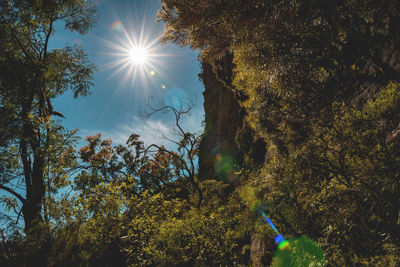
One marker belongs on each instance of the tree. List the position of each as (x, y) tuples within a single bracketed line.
[(31, 76), (144, 205), (127, 192), (154, 168)]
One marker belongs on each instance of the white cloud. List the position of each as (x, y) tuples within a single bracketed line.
[(151, 131)]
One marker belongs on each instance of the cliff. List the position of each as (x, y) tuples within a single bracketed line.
[(228, 142), (218, 150)]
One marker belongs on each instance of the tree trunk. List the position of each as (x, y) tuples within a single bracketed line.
[(32, 215), (33, 173), (260, 250), (36, 232)]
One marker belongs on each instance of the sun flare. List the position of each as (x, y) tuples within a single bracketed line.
[(138, 55), (135, 55)]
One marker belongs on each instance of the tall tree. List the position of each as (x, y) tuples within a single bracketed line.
[(31, 76)]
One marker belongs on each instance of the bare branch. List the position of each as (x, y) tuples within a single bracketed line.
[(186, 145)]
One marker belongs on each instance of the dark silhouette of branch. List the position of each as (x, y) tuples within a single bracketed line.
[(9, 190), (186, 146)]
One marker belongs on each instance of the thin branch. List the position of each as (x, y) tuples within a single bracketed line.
[(3, 237), (19, 215)]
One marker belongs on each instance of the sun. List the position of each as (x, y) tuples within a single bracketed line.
[(138, 55), (135, 55)]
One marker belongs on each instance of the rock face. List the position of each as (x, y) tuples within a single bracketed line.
[(260, 251), (227, 138), (219, 155)]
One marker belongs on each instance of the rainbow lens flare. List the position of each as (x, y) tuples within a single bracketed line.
[(301, 251), (279, 239), (282, 242), (272, 225), (117, 26), (283, 245)]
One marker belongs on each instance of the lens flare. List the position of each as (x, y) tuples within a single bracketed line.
[(301, 251), (116, 26), (226, 167), (175, 97), (283, 245), (279, 238)]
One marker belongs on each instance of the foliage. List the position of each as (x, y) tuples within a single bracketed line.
[(186, 235), (112, 218), (319, 84), (152, 207)]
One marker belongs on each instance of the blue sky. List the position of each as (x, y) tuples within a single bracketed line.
[(118, 100)]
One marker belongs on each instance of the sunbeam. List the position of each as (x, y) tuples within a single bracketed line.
[(135, 55)]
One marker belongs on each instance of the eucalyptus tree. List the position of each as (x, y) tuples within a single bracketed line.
[(32, 75)]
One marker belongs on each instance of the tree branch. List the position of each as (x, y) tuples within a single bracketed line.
[(9, 190)]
